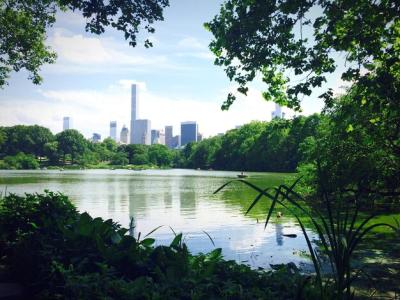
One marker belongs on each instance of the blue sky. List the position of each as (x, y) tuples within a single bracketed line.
[(177, 78)]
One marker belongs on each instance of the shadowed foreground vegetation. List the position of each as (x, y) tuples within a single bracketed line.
[(55, 252)]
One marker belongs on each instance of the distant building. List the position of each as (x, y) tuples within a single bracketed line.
[(157, 137), (169, 136), (199, 137), (113, 130), (176, 142), (67, 123), (142, 132), (134, 112), (96, 138), (277, 113), (189, 131), (124, 136)]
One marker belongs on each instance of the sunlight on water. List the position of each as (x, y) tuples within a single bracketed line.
[(179, 199)]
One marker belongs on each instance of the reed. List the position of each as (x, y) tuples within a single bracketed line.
[(339, 227)]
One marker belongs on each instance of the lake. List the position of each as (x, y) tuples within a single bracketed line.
[(181, 200)]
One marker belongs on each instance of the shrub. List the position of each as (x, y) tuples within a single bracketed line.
[(21, 161)]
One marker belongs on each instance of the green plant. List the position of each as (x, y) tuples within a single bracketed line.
[(339, 228)]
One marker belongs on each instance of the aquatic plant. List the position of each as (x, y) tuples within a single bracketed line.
[(339, 227)]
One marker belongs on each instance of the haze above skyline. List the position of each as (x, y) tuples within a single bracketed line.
[(91, 79)]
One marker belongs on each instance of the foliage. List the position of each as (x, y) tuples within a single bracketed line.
[(120, 158), (160, 155), (23, 26), (257, 146), (356, 148), (21, 161), (71, 142), (56, 252), (69, 147), (27, 139), (339, 228), (278, 38)]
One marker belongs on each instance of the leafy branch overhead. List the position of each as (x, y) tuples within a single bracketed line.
[(293, 45), (23, 26)]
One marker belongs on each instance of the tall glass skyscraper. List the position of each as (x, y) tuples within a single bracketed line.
[(142, 132), (169, 136), (67, 123), (113, 130), (189, 132)]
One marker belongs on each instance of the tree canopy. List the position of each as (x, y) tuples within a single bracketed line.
[(23, 26), (303, 38)]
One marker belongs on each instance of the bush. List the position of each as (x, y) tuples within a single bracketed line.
[(21, 161)]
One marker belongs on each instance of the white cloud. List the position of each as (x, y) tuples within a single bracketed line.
[(193, 47), (191, 43), (81, 50)]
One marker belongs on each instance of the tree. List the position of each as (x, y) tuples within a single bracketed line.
[(3, 140), (353, 151), (160, 155), (27, 139), (137, 154), (110, 144), (52, 153), (71, 142), (23, 26), (120, 159), (275, 38)]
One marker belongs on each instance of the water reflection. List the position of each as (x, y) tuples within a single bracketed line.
[(278, 233), (181, 199)]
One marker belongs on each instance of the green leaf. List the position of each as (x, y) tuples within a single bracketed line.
[(116, 238), (147, 242), (349, 128), (177, 240)]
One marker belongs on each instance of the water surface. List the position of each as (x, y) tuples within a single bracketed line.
[(179, 199)]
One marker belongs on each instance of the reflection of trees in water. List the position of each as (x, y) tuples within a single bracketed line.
[(112, 194), (137, 197), (278, 233), (168, 199), (187, 196), (187, 202)]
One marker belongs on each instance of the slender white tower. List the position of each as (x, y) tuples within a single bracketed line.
[(134, 110)]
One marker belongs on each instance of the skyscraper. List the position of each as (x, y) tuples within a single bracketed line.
[(154, 136), (142, 132), (113, 130), (96, 137), (124, 135), (169, 136), (157, 137), (175, 141), (189, 131), (67, 123), (134, 110), (199, 137), (277, 113)]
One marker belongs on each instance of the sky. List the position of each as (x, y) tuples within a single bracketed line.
[(178, 81)]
